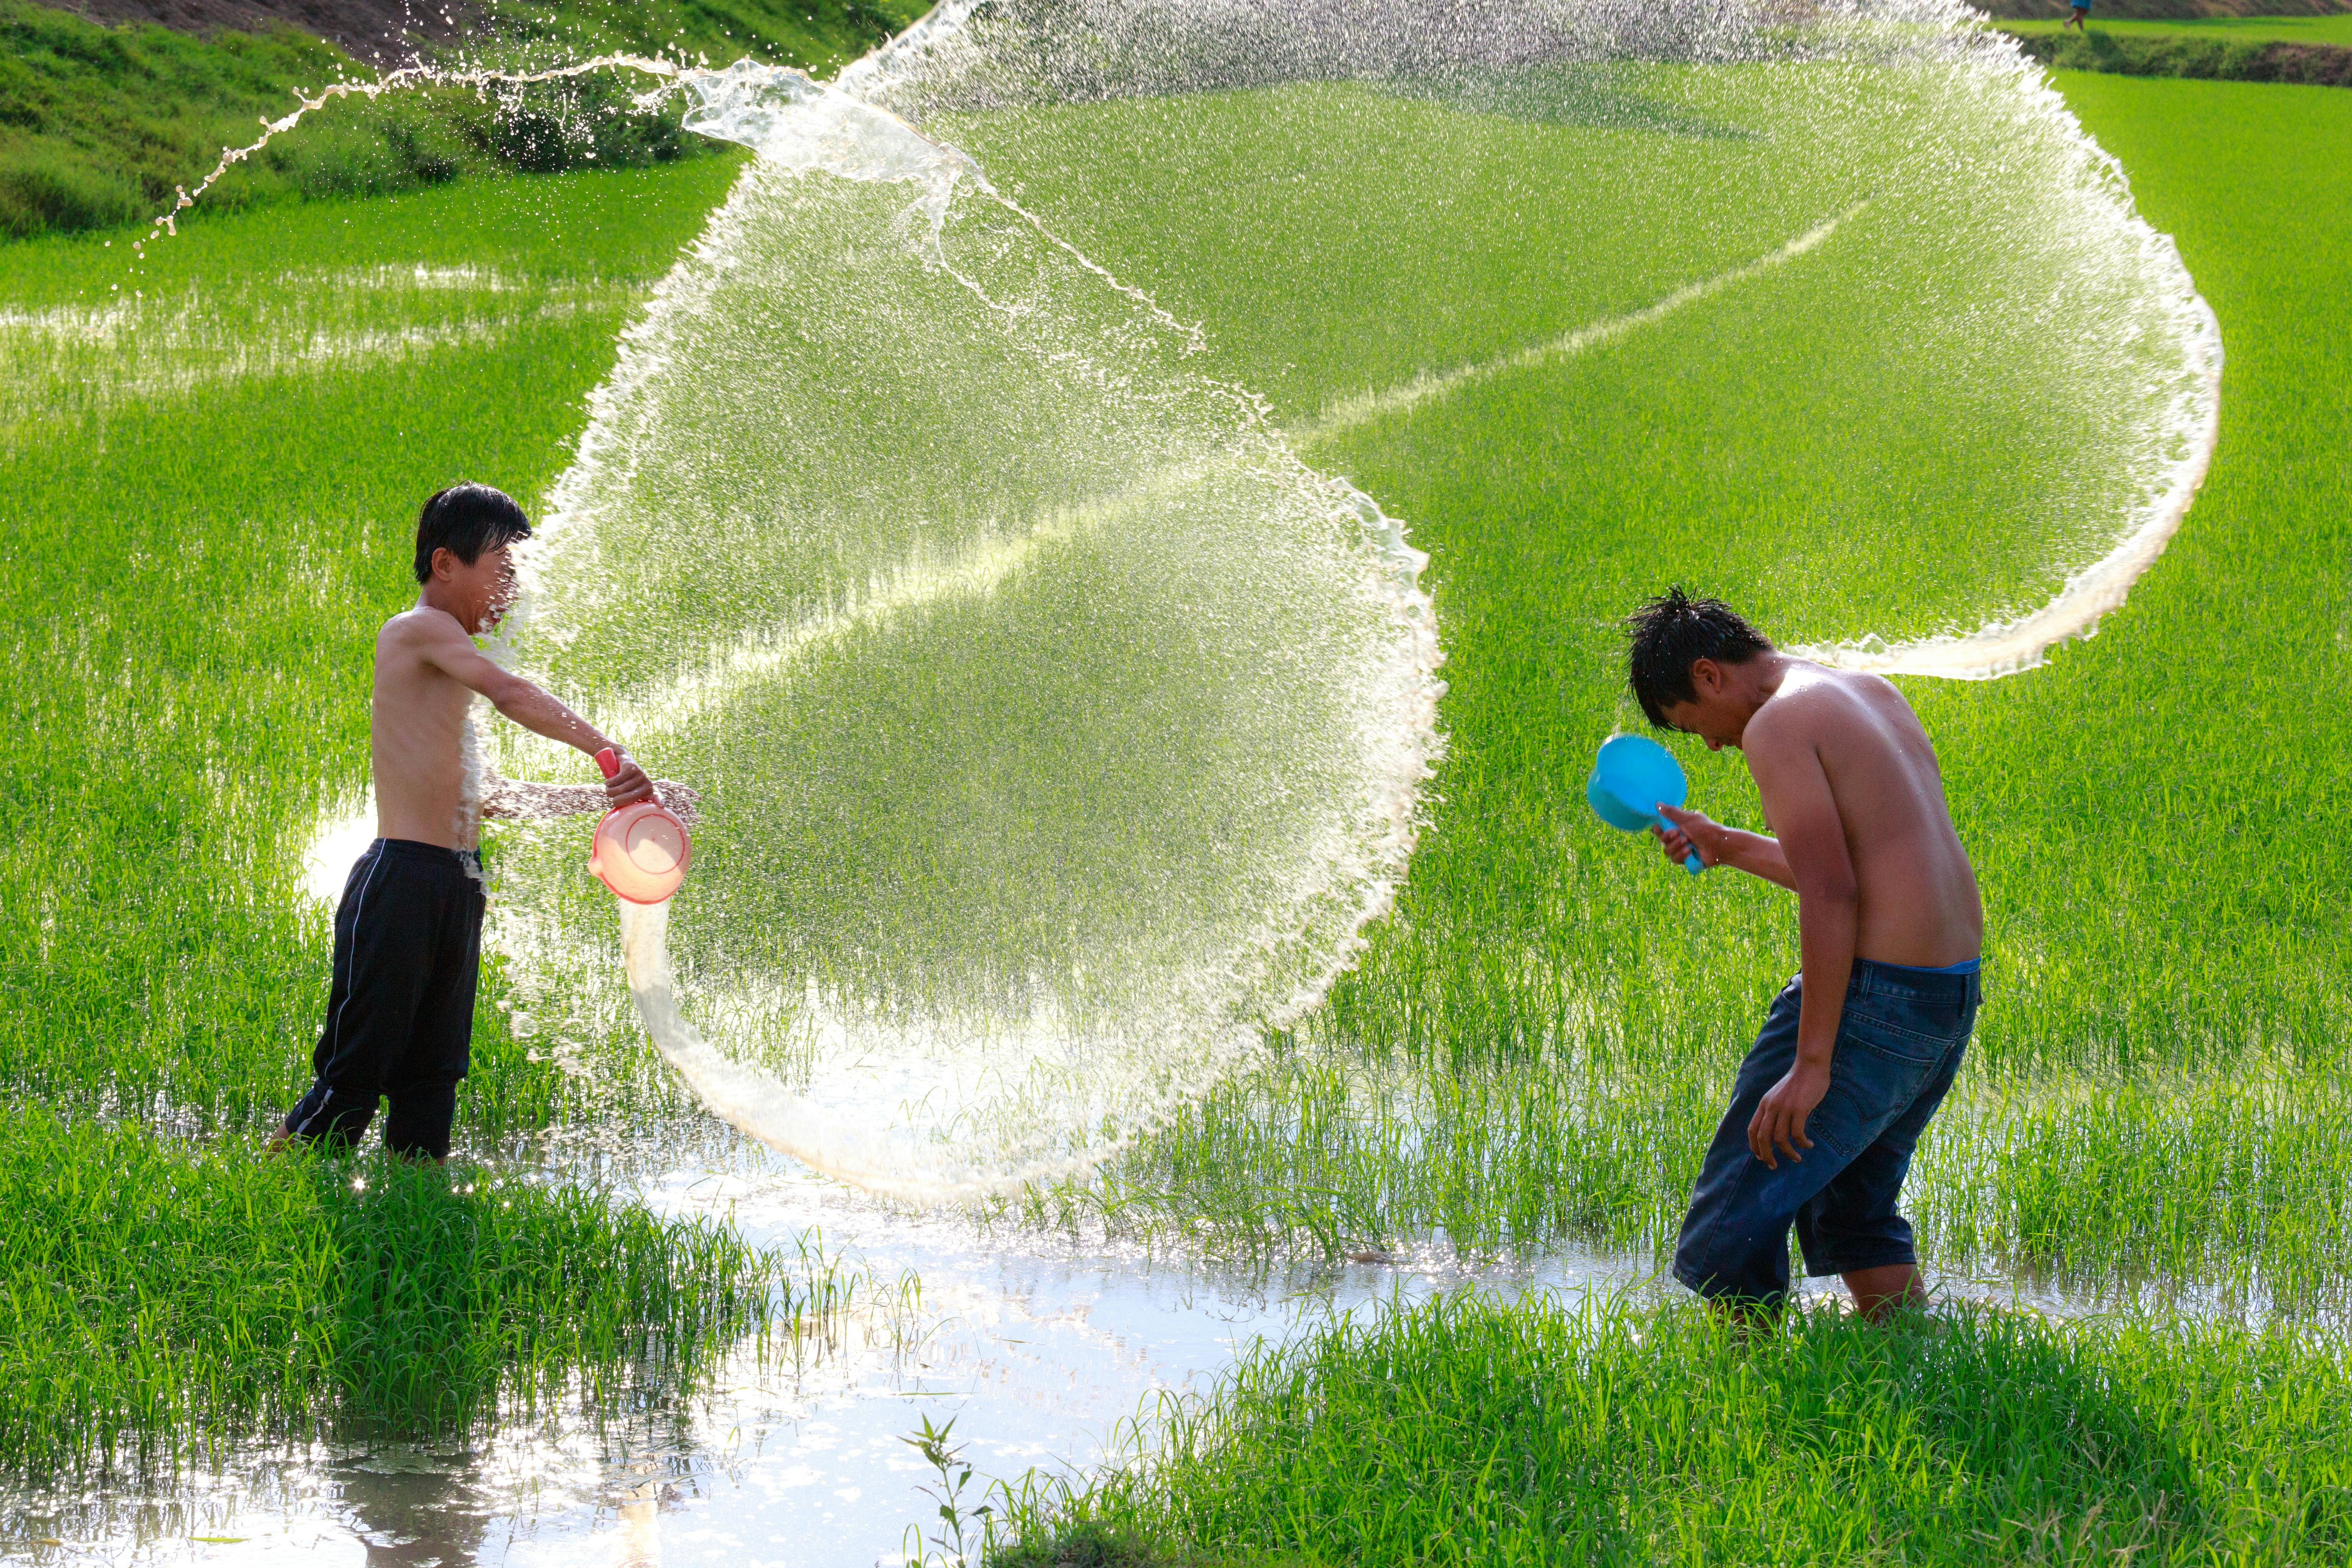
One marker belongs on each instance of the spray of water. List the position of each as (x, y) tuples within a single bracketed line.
[(1059, 728)]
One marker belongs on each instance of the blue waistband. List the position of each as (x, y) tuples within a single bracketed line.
[(1966, 967)]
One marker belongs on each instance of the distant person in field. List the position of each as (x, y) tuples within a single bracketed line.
[(400, 1005), (2077, 15), (1859, 1049)]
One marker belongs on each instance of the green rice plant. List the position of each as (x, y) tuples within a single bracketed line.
[(1471, 1431), (155, 1296), (1538, 1042)]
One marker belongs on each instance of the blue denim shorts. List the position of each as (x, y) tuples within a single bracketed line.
[(1899, 1045)]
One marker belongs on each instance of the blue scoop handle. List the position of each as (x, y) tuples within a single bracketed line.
[(1691, 862)]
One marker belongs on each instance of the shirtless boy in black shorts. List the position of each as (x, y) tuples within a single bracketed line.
[(400, 1007)]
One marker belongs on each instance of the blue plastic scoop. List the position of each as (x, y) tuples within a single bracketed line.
[(1631, 775)]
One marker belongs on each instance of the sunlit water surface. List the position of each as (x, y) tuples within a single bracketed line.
[(1048, 1356)]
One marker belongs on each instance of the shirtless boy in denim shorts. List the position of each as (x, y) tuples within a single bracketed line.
[(1859, 1049)]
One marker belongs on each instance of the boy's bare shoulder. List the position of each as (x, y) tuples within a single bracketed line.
[(1818, 704), (418, 625)]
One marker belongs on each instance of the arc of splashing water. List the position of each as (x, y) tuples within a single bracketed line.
[(2010, 648), (805, 125), (406, 77), (1364, 407), (758, 1105), (1996, 649), (749, 1099)]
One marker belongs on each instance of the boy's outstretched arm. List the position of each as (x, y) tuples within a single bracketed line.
[(443, 644), (1799, 803), (525, 800), (1694, 833)]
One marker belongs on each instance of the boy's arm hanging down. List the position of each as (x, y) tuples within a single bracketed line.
[(1800, 805)]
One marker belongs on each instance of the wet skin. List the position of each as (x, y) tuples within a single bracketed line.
[(1861, 834)]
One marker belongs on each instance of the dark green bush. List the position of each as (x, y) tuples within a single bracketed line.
[(2218, 59)]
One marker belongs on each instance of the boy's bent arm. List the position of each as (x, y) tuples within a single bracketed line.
[(1694, 832), (1759, 854), (1797, 797)]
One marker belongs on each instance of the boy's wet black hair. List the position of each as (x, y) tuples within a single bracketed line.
[(1672, 630), (466, 520)]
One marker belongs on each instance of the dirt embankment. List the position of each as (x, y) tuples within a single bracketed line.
[(2157, 10), (2215, 59), (381, 32)]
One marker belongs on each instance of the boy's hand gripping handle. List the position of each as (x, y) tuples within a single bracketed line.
[(1691, 862)]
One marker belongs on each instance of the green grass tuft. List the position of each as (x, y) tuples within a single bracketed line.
[(169, 1295), (1467, 1431)]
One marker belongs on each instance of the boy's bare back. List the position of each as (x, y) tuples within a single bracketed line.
[(1838, 753)]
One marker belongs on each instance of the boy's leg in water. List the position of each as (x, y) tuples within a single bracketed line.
[(1734, 1246), (423, 1085), (1879, 1292), (1854, 1227), (382, 957)]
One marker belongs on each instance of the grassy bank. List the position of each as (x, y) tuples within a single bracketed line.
[(1465, 1432), (1536, 1045), (169, 1297), (2334, 29), (100, 124), (2256, 12), (2318, 54)]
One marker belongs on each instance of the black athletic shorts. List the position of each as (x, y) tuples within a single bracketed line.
[(400, 1009)]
